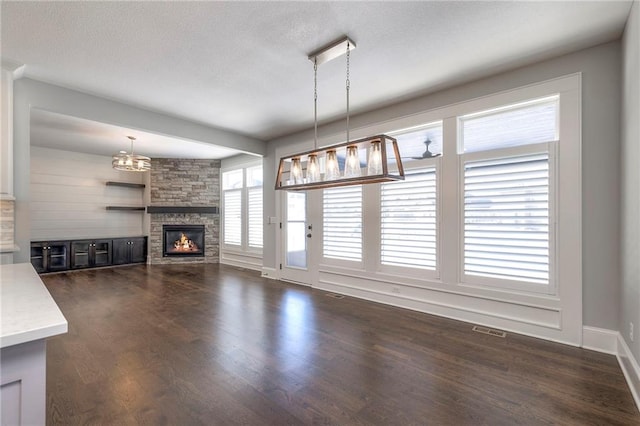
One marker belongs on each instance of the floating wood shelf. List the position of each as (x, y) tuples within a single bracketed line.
[(182, 209), (126, 184), (125, 208)]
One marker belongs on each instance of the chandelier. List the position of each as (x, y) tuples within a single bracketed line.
[(131, 162), (369, 160)]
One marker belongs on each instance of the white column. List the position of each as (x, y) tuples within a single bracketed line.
[(7, 200)]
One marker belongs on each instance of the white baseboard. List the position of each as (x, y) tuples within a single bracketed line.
[(239, 263), (600, 340), (270, 273), (630, 369)]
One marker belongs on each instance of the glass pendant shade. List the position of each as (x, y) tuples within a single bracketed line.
[(313, 169), (370, 160), (296, 171), (333, 168), (374, 165), (131, 162), (352, 163)]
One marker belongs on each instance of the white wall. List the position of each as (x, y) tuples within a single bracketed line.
[(630, 212), (69, 197), (600, 68)]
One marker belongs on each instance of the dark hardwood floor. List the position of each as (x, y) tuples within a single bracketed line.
[(209, 344)]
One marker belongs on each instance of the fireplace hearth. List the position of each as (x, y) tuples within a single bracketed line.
[(183, 240)]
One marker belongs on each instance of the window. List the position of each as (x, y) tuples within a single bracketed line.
[(516, 125), (408, 221), (487, 223), (506, 218), (419, 143), (342, 223), (254, 206), (242, 208), (506, 194), (233, 217), (494, 173)]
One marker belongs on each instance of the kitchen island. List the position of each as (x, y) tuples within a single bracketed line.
[(28, 316)]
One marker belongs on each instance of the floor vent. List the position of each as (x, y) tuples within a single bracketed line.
[(335, 296), (489, 331)]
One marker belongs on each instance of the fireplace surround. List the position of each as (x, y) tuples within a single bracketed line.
[(183, 192), (183, 240)]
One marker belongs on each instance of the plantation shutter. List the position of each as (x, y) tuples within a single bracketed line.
[(506, 218), (233, 217), (408, 221), (255, 217), (342, 223)]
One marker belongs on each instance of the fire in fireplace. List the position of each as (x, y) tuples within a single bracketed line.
[(183, 240)]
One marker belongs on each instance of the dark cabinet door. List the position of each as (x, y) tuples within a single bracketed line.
[(58, 255), (101, 253), (138, 248), (88, 253), (121, 251), (38, 256), (81, 254), (129, 250), (50, 256)]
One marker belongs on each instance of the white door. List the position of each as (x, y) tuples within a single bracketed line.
[(297, 234)]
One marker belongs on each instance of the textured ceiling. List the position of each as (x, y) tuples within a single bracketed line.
[(243, 66)]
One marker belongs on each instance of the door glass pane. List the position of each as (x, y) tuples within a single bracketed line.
[(58, 256), (80, 254), (102, 253), (296, 229), (37, 258)]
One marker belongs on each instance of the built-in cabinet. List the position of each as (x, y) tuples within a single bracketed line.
[(129, 250), (50, 256), (90, 253), (55, 256)]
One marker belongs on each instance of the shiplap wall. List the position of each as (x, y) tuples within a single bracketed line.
[(68, 197)]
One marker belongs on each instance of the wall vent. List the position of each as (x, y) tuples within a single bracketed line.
[(489, 331)]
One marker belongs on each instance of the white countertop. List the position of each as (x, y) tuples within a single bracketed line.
[(27, 310)]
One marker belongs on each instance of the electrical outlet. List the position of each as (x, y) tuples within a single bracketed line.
[(395, 290), (631, 331)]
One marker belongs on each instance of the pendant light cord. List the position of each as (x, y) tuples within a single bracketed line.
[(315, 103), (348, 86)]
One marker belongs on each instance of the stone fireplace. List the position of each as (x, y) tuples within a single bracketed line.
[(184, 197)]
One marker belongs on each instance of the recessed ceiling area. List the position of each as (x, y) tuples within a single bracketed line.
[(58, 131), (243, 66)]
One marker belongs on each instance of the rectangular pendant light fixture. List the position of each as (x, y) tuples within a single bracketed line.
[(369, 160)]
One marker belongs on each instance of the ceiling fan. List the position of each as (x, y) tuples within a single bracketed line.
[(426, 153)]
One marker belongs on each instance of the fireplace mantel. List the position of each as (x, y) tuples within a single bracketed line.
[(182, 209)]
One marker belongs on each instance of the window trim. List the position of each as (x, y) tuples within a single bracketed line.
[(549, 148)]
